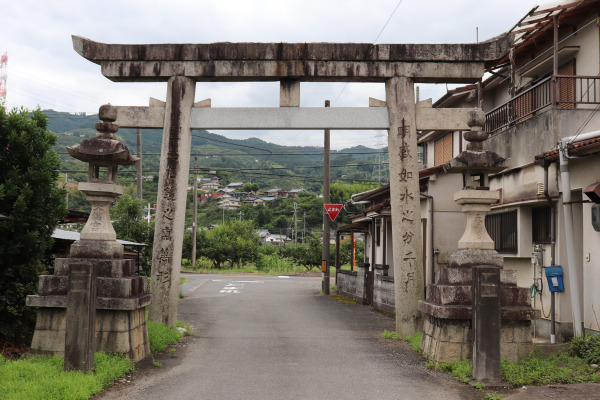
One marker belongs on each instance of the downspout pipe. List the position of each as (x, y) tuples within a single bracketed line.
[(571, 272), (429, 239), (552, 253)]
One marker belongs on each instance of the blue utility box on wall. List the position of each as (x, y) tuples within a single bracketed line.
[(555, 278)]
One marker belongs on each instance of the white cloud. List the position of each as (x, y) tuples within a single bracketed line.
[(44, 70)]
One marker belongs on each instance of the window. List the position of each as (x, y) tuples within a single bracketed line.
[(443, 150), (502, 227), (541, 225)]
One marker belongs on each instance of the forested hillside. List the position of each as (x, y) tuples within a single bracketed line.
[(249, 160)]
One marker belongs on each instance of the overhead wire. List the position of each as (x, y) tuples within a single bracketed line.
[(374, 41)]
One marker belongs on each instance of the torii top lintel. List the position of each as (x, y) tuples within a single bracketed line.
[(316, 62)]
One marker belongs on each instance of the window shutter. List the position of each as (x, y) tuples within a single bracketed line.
[(443, 149), (566, 86)]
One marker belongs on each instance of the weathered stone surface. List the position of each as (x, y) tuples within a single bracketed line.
[(48, 341), (404, 188), (475, 205), (467, 258), (463, 276), (81, 317), (439, 332), (299, 61), (488, 51), (102, 303), (170, 214), (96, 249), (121, 287), (53, 285), (486, 324), (113, 332), (106, 268)]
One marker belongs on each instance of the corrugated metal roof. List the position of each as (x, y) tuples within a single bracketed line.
[(537, 27)]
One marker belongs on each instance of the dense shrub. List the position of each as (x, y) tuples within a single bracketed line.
[(32, 199), (587, 348)]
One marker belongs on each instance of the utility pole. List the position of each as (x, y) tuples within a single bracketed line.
[(67, 187), (304, 229), (195, 215), (295, 224), (139, 164), (325, 251)]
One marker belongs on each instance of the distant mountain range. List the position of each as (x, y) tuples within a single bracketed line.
[(242, 160)]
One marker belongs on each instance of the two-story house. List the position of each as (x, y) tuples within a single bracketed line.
[(541, 103)]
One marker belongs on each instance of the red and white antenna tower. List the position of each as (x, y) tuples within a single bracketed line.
[(3, 62)]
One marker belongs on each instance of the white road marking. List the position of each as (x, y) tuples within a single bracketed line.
[(285, 277)]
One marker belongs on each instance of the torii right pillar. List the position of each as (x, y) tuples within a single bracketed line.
[(404, 193)]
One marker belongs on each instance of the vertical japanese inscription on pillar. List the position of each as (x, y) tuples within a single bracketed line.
[(407, 212), (172, 183), (404, 191)]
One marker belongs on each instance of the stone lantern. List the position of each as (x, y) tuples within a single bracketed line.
[(104, 154), (448, 332), (114, 321)]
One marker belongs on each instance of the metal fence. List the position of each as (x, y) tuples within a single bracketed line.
[(566, 91)]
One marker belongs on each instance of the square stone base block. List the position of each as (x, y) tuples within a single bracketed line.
[(117, 331), (446, 340)]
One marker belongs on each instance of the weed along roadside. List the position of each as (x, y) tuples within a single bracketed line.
[(43, 377), (577, 364), (574, 371)]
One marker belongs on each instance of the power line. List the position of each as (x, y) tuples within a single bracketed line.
[(242, 172), (386, 22), (374, 41), (262, 154)]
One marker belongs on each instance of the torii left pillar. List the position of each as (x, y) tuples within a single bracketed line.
[(172, 194)]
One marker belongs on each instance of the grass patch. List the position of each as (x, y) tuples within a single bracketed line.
[(188, 331), (587, 348), (415, 341), (44, 377), (162, 336), (537, 369), (541, 369), (461, 370), (391, 335)]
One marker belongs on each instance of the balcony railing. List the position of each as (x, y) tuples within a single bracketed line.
[(566, 91)]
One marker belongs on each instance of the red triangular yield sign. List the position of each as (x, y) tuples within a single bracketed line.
[(333, 210)]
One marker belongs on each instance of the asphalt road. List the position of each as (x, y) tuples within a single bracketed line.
[(278, 338)]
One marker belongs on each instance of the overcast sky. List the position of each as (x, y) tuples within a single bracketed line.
[(43, 69)]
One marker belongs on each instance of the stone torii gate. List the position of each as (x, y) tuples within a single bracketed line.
[(399, 66)]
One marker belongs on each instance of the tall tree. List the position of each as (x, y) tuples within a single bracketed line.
[(31, 198), (127, 216)]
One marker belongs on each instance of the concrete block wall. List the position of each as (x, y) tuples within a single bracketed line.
[(346, 283), (383, 293)]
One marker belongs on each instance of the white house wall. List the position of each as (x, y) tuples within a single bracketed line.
[(449, 222), (583, 172)]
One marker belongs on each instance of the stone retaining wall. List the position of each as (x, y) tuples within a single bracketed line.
[(450, 339), (117, 331)]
